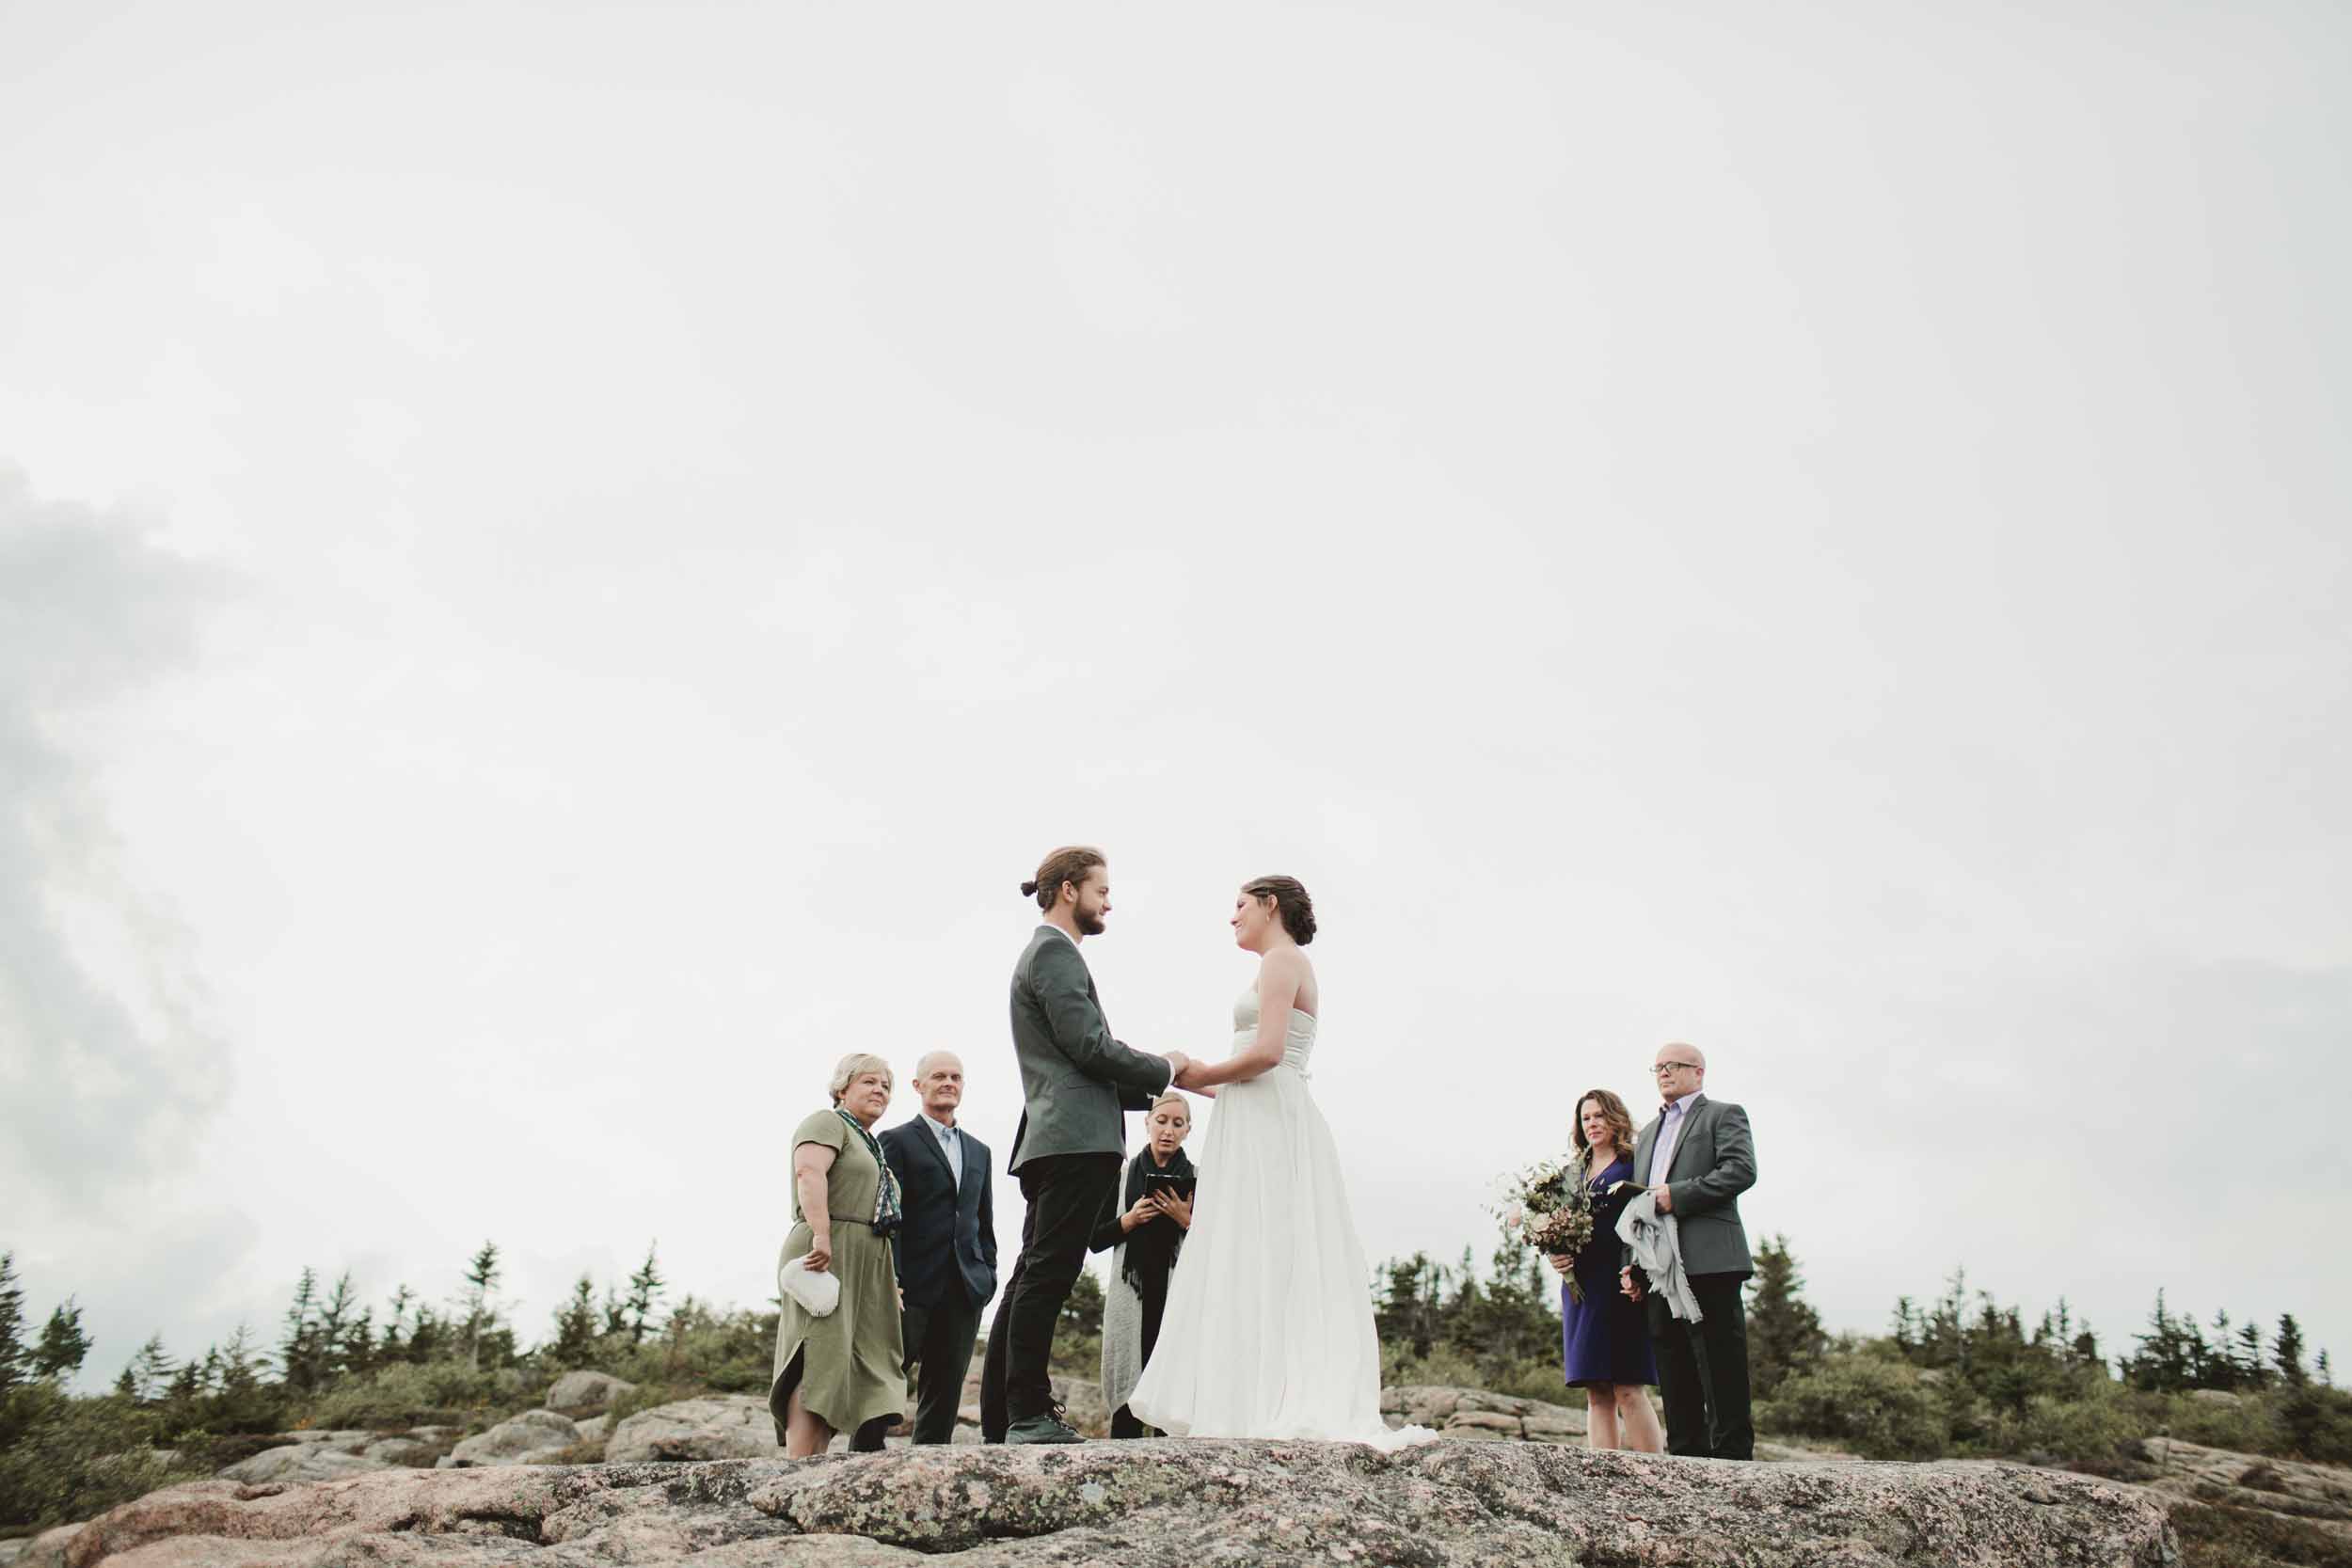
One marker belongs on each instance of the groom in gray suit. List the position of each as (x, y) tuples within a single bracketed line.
[(1076, 1083), (1699, 1157)]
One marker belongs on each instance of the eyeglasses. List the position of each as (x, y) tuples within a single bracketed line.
[(1664, 1068)]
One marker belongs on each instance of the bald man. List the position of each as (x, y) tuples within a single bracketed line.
[(1699, 1155), (947, 1245)]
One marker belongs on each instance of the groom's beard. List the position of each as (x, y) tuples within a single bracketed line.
[(1089, 923)]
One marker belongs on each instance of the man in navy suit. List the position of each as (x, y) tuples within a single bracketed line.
[(946, 1243)]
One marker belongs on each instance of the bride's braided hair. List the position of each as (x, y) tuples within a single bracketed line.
[(1069, 864), (1290, 901)]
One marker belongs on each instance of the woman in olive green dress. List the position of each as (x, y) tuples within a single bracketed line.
[(837, 1373)]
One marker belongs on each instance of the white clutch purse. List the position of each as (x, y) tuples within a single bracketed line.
[(818, 1293)]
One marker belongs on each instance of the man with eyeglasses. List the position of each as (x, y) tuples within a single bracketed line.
[(1703, 1159)]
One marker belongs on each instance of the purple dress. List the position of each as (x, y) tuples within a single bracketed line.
[(1604, 1338)]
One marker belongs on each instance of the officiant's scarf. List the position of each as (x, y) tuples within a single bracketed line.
[(1152, 1248), (887, 1211)]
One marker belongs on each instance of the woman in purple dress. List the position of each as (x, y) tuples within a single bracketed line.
[(1603, 1338)]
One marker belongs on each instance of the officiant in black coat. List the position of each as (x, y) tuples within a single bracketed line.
[(946, 1243)]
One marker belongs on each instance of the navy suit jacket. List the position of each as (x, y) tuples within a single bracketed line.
[(949, 1238)]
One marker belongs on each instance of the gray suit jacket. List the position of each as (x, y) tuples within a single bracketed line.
[(1077, 1082), (1715, 1162)]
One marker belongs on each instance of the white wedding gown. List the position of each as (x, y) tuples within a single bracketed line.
[(1269, 1327)]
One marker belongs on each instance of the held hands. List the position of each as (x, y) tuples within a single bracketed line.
[(1178, 1065), (1188, 1079), (1629, 1285)]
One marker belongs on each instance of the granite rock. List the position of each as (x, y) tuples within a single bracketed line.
[(1157, 1504)]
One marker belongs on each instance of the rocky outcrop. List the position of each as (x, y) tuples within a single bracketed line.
[(1479, 1416), (1149, 1505), (533, 1437), (587, 1391), (731, 1426), (330, 1455), (2320, 1495), (298, 1462)]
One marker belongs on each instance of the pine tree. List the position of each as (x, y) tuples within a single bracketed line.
[(2287, 1351), (63, 1346), (576, 1325), (644, 1288), (2320, 1369), (2222, 1369), (615, 1312), (334, 1328), (14, 1363), (391, 1347), (297, 1353), (1411, 1302), (480, 1301), (1785, 1335), (1905, 1330), (149, 1372), (2251, 1360), (357, 1356)]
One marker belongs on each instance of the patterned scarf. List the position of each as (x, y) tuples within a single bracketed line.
[(887, 1212)]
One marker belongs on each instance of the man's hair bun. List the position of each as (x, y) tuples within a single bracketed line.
[(1068, 864)]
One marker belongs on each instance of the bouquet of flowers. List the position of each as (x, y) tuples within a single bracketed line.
[(1548, 1207)]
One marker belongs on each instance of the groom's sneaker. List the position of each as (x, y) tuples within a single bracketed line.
[(1045, 1427)]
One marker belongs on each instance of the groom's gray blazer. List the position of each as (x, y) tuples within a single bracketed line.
[(1715, 1162), (1077, 1082)]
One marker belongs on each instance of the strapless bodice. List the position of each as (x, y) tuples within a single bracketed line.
[(1298, 1040)]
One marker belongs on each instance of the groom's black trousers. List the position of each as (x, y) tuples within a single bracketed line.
[(1067, 1194), (1703, 1370)]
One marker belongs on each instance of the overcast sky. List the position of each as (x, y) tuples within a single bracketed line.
[(559, 565)]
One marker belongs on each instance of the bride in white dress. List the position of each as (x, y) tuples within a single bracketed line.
[(1269, 1327)]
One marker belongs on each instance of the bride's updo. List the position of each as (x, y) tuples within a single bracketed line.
[(1291, 902)]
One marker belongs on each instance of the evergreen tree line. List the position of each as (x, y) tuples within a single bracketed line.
[(1958, 1373)]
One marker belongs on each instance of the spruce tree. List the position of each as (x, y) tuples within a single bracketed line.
[(150, 1369), (1785, 1337), (480, 1301), (14, 1361), (297, 1353), (576, 1325), (2287, 1351), (63, 1346), (2253, 1360), (644, 1288), (334, 1328)]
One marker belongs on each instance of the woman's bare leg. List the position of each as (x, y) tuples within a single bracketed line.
[(805, 1433), (1637, 1420), (1600, 1416)]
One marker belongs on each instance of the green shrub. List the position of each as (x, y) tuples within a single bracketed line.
[(2088, 1433), (731, 1352), (74, 1458), (406, 1395), (1878, 1408), (2243, 1423), (1448, 1367)]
